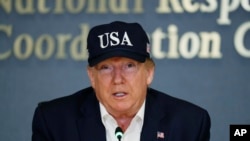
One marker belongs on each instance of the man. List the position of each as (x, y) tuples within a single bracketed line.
[(119, 106)]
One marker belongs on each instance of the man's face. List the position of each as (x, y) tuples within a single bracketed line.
[(121, 84)]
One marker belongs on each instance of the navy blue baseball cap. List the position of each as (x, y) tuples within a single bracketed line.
[(117, 39)]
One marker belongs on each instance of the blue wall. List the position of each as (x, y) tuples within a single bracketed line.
[(201, 50)]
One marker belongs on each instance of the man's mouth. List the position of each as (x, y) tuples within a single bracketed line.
[(119, 94)]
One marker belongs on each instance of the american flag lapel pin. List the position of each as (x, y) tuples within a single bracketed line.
[(160, 135)]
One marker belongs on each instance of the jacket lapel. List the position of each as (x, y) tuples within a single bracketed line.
[(89, 124), (152, 118)]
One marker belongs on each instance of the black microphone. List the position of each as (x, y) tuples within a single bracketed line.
[(118, 133)]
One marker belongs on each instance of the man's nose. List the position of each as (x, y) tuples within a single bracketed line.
[(118, 76)]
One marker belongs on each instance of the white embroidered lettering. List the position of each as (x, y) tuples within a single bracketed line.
[(114, 40), (101, 40), (126, 39)]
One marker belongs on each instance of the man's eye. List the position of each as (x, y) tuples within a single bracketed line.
[(129, 66), (105, 67)]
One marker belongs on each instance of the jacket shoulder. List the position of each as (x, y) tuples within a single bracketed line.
[(174, 104), (67, 102)]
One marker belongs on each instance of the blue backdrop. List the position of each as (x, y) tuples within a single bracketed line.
[(201, 49)]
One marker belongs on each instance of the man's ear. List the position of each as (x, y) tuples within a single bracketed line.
[(150, 76), (91, 76)]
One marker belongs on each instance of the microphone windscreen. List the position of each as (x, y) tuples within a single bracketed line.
[(118, 133)]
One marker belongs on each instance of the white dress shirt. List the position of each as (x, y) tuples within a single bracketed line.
[(133, 131)]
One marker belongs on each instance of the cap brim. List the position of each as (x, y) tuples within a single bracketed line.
[(117, 53)]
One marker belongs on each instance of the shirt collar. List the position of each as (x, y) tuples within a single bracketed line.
[(105, 115)]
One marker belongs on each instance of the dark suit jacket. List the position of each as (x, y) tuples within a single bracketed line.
[(77, 118)]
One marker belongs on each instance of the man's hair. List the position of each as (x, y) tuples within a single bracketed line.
[(150, 63)]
